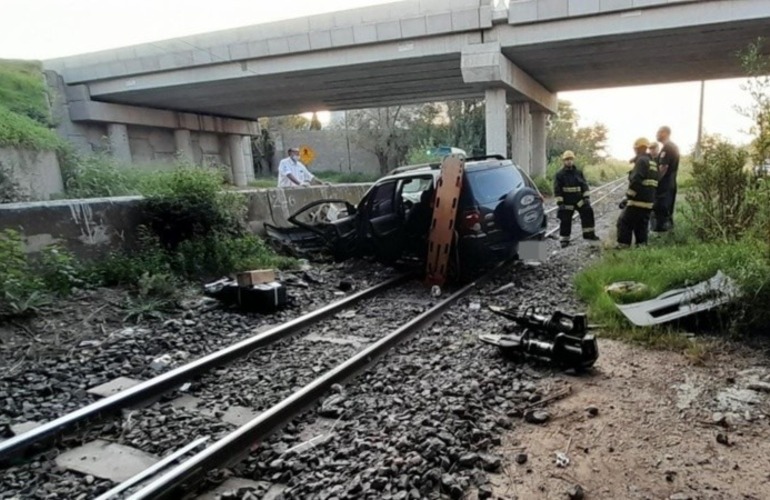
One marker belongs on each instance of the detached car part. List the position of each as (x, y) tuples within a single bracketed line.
[(682, 302), (561, 339), (264, 298)]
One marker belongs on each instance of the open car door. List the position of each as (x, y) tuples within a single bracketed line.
[(321, 226), (382, 221)]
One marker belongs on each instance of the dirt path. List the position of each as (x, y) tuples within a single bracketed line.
[(655, 435)]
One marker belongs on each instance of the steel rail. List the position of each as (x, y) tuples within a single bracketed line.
[(575, 215), (236, 445), (597, 188), (14, 448)]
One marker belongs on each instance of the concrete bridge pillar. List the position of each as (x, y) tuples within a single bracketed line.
[(238, 160), (183, 144), (496, 126), (521, 135), (117, 134), (539, 160)]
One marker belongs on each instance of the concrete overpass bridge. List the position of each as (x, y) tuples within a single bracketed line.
[(511, 52)]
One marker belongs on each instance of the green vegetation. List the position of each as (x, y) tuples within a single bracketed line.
[(724, 225), (24, 115), (27, 285), (193, 229), (23, 91)]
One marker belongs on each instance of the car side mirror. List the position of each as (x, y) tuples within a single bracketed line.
[(350, 208)]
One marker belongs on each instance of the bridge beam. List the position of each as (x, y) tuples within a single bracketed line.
[(484, 65)]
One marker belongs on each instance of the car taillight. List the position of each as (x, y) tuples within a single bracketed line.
[(471, 222)]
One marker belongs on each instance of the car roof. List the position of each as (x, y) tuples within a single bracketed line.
[(434, 169)]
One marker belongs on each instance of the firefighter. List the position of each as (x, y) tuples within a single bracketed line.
[(658, 214), (634, 222), (668, 161), (571, 191)]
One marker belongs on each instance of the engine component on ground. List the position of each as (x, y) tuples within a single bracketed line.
[(561, 338)]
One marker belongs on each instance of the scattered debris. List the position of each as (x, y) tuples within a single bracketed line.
[(723, 439), (562, 460), (576, 493), (537, 416), (256, 277), (622, 288), (592, 411), (503, 289), (474, 306), (521, 458), (161, 363), (561, 338), (263, 298), (679, 303)]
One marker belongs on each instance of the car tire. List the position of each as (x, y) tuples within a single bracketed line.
[(523, 212)]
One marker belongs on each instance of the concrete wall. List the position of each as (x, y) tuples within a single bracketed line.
[(92, 228), (331, 150), (37, 172)]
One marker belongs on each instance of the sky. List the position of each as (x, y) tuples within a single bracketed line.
[(43, 29)]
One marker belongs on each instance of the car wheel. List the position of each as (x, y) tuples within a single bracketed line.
[(523, 211)]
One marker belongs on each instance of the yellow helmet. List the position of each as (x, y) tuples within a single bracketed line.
[(568, 155), (641, 143)]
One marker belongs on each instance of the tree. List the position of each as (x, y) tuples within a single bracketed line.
[(315, 123), (588, 143), (757, 67), (384, 132)]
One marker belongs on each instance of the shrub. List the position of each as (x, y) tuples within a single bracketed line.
[(60, 271), (544, 185), (720, 206), (98, 175)]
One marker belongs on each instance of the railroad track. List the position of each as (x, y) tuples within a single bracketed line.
[(230, 447)]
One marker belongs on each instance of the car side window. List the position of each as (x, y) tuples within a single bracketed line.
[(382, 200)]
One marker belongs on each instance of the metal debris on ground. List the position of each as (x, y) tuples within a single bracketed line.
[(560, 338), (682, 302), (621, 288), (263, 298)]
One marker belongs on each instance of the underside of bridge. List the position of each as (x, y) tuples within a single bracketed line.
[(665, 56)]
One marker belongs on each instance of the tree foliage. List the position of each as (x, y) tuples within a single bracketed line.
[(588, 143), (757, 67)]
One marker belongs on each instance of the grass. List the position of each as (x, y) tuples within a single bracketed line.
[(673, 261), (22, 90)]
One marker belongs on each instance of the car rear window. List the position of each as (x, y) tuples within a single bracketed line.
[(493, 184)]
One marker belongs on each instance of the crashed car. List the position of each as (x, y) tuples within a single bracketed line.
[(499, 207)]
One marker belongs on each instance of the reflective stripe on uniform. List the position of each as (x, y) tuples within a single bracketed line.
[(564, 238), (569, 207), (588, 230), (580, 204), (575, 189), (559, 199), (586, 194), (650, 182), (631, 192), (640, 204)]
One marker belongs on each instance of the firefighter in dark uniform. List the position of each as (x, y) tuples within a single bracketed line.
[(634, 222), (668, 166), (571, 191)]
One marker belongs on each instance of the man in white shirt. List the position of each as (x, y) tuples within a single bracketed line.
[(292, 173)]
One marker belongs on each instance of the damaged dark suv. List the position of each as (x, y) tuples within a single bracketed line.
[(499, 207)]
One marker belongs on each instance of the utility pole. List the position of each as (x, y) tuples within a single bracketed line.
[(347, 140), (700, 121)]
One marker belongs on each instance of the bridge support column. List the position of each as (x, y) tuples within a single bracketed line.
[(539, 160), (237, 160), (496, 126), (117, 134), (183, 144), (521, 135)]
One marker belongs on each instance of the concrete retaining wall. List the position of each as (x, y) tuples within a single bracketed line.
[(94, 227), (331, 150), (37, 172)]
